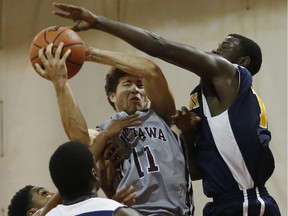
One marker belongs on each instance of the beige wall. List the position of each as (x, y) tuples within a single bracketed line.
[(31, 124)]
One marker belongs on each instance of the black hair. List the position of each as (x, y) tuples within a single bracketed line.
[(70, 169), (251, 49), (112, 81), (21, 202)]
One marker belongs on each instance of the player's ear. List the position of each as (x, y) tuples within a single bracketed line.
[(112, 97), (31, 211), (243, 61)]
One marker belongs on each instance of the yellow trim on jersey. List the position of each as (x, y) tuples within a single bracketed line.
[(194, 102), (263, 115)]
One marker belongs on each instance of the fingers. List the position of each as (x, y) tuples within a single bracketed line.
[(40, 70), (66, 10), (184, 110), (66, 54), (49, 54), (114, 156), (63, 7), (174, 118), (53, 67), (131, 120), (129, 196), (41, 55), (48, 51), (61, 14), (125, 196)]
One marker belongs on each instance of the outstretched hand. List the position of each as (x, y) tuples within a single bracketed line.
[(125, 196), (54, 66), (83, 18), (185, 120), (109, 166), (116, 126)]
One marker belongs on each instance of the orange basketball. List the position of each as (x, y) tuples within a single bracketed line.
[(56, 35)]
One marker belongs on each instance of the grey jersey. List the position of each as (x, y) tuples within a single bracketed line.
[(155, 165)]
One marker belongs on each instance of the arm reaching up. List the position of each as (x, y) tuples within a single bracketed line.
[(55, 70)]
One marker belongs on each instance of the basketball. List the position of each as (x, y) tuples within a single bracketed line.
[(56, 35)]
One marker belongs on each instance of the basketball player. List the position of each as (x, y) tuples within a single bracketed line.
[(154, 161), (29, 199), (37, 201), (75, 174), (232, 140)]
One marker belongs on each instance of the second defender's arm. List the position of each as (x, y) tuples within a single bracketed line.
[(205, 65)]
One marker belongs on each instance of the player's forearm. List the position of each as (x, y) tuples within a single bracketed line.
[(72, 119), (141, 39), (134, 65), (195, 172), (184, 56)]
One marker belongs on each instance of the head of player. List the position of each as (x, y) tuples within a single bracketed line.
[(241, 50), (73, 171), (125, 92), (28, 200)]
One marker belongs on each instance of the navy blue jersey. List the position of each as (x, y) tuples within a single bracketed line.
[(233, 147), (155, 165)]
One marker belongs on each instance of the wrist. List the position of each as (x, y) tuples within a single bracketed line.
[(97, 20), (59, 84)]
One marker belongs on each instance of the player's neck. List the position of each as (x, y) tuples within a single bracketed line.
[(78, 199)]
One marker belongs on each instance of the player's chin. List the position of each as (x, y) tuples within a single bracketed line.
[(134, 108)]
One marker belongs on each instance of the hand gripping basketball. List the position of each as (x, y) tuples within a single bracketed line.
[(56, 35)]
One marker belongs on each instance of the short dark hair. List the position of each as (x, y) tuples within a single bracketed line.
[(70, 169), (112, 81), (21, 202), (252, 49)]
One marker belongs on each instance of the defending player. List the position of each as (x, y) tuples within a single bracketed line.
[(75, 174)]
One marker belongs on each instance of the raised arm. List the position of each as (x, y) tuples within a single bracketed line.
[(55, 70), (152, 77), (205, 65)]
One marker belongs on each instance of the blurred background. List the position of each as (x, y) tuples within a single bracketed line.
[(30, 125)]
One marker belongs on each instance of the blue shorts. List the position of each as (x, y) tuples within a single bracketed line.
[(250, 202)]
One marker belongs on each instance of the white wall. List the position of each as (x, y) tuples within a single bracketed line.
[(32, 127)]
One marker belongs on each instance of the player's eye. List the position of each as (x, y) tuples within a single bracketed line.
[(127, 84), (45, 193), (141, 86)]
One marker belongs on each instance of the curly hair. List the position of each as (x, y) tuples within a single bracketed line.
[(251, 49), (70, 169), (112, 81), (21, 202)]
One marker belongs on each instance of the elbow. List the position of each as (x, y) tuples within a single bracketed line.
[(152, 71)]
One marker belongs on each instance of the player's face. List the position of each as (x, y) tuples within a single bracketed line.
[(130, 95), (229, 49), (40, 197)]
